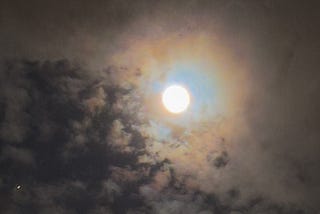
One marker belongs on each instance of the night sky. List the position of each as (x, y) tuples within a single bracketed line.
[(83, 129)]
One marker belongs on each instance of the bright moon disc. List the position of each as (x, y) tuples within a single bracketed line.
[(176, 99)]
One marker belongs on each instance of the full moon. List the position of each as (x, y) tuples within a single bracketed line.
[(176, 99)]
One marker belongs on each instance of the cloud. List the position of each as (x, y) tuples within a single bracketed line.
[(23, 156), (94, 138), (86, 151)]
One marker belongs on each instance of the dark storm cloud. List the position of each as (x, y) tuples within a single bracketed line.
[(71, 136), (15, 154), (67, 121)]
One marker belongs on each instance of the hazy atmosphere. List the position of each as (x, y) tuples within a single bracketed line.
[(85, 126)]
